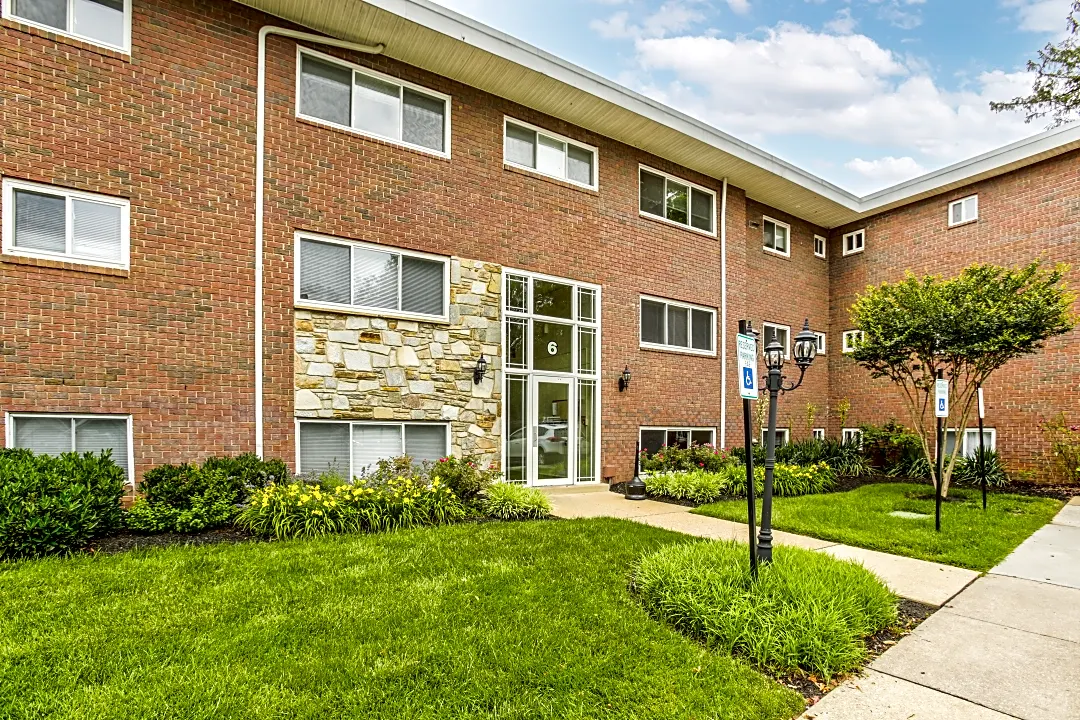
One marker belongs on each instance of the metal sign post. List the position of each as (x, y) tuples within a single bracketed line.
[(747, 351), (982, 444), (941, 411)]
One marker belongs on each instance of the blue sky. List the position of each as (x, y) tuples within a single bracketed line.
[(864, 93)]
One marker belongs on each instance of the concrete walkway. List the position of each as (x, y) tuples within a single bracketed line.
[(919, 580), (1008, 646)]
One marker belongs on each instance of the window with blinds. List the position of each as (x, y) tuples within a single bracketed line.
[(58, 434), (102, 22), (50, 222), (350, 448), (372, 278)]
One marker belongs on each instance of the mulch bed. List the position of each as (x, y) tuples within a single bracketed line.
[(909, 615), (124, 541)]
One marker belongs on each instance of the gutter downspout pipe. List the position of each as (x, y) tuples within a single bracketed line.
[(260, 177), (722, 441)]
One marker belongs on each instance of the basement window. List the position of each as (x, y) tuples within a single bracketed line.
[(58, 434), (783, 437), (102, 22), (964, 211), (655, 439), (350, 448)]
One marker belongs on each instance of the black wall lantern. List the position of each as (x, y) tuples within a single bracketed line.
[(480, 370), (624, 379)]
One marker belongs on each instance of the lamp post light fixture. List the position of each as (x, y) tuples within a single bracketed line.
[(624, 379), (480, 370), (805, 350)]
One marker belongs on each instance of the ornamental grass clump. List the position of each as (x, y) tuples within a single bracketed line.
[(807, 613), (506, 501), (701, 487)]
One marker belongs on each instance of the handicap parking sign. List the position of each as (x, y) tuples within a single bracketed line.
[(747, 351), (941, 399)]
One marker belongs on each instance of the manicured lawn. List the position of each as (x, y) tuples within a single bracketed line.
[(514, 620), (969, 537)]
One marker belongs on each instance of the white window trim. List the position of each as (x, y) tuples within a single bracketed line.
[(853, 234), (777, 223), (595, 180), (675, 428), (781, 432), (675, 348), (824, 246), (848, 432), (777, 326), (847, 347), (822, 341), (817, 433), (301, 51), (960, 202), (307, 304), (9, 431), (352, 423), (10, 185), (124, 49), (660, 218), (974, 432)]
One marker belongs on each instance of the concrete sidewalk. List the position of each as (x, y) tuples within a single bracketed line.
[(919, 580), (1006, 647)]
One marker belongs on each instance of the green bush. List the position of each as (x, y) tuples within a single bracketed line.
[(507, 501), (301, 510), (806, 612), (846, 459), (462, 476), (894, 450), (249, 470), (700, 487), (676, 459), (967, 470), (55, 505)]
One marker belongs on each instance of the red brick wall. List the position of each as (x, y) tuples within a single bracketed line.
[(1023, 216)]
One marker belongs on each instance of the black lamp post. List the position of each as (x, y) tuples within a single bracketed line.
[(805, 350)]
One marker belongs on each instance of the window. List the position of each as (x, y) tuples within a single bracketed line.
[(777, 237), (49, 222), (854, 242), (851, 339), (818, 433), (342, 274), (820, 342), (102, 22), (371, 103), (971, 441), (349, 447), (783, 436), (677, 326), (56, 434), (782, 333), (654, 439), (852, 436), (668, 198), (819, 246), (964, 211), (549, 154)]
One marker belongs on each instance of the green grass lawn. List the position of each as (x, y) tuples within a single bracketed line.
[(501, 620), (969, 537)]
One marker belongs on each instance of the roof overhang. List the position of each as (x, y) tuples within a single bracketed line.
[(429, 36)]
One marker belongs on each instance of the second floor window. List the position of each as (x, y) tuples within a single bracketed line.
[(378, 280), (549, 154), (102, 22), (777, 237), (676, 201), (373, 104), (677, 326)]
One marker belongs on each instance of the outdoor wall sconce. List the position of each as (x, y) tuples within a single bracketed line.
[(480, 370), (624, 379)]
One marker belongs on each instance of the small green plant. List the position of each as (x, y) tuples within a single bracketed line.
[(54, 505), (894, 449), (507, 501), (806, 612), (675, 459), (968, 469), (842, 409), (1064, 440), (811, 413), (700, 486), (463, 476)]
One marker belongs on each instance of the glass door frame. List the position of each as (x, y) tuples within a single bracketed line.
[(534, 415)]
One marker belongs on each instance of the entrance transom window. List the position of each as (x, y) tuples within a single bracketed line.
[(552, 348)]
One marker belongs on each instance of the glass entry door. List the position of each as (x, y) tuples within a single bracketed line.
[(552, 434)]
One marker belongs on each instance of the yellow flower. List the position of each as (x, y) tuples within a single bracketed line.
[(304, 498)]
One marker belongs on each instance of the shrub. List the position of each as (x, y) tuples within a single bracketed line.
[(1064, 442), (967, 470), (676, 459), (844, 458), (463, 477), (702, 487), (301, 510), (55, 505), (895, 450), (806, 611), (249, 470), (507, 501)]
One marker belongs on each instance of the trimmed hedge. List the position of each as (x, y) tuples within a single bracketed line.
[(56, 505)]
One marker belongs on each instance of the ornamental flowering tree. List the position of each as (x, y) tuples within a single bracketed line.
[(967, 326)]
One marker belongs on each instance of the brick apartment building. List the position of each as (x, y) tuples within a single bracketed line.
[(296, 228)]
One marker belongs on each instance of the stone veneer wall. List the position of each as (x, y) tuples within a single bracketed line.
[(357, 367)]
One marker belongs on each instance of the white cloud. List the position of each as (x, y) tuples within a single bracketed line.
[(1041, 16), (739, 7), (673, 16), (887, 170), (843, 23)]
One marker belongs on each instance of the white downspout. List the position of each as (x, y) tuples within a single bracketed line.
[(260, 172), (723, 317)]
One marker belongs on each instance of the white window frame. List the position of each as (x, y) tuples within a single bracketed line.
[(594, 183), (9, 428), (661, 218), (690, 350), (821, 342), (125, 49), (848, 347), (817, 434), (824, 246), (675, 428), (970, 444), (435, 94), (783, 436), (962, 203), (851, 236), (846, 434), (300, 236), (787, 335), (352, 423), (776, 223), (10, 185)]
